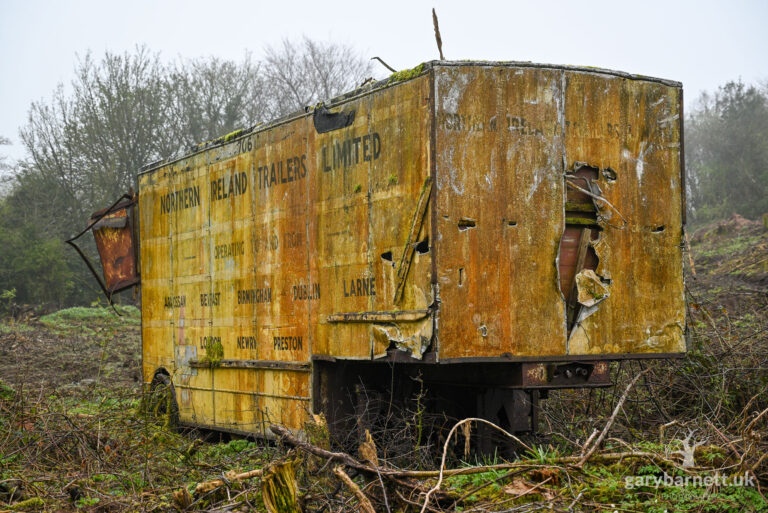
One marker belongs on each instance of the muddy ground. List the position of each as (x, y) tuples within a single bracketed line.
[(73, 348)]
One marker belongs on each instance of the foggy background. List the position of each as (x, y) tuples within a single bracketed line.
[(700, 43)]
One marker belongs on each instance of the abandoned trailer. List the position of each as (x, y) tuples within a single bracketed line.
[(496, 229)]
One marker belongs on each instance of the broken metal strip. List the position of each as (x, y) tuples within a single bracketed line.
[(416, 224), (398, 315), (581, 221), (581, 255), (579, 207), (252, 364), (111, 222), (327, 121), (586, 236), (244, 392)]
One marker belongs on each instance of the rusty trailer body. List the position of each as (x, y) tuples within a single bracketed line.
[(498, 229)]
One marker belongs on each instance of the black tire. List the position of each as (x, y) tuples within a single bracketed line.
[(162, 396)]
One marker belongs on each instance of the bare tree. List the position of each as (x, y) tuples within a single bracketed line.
[(726, 145), (212, 97), (87, 146), (4, 168), (312, 71)]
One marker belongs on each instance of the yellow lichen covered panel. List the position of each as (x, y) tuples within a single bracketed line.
[(294, 241), (339, 228), (499, 219), (630, 131)]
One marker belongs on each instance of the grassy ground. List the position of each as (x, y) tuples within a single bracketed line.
[(76, 433)]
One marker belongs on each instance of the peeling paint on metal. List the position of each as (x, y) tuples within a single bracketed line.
[(591, 289)]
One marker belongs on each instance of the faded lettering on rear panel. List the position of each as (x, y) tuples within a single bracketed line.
[(499, 212)]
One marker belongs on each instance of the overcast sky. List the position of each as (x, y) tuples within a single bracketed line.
[(700, 43)]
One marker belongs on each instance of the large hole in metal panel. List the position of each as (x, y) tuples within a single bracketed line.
[(581, 229)]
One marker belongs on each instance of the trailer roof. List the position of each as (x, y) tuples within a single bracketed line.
[(394, 79)]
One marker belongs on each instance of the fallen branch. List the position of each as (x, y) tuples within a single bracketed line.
[(728, 442), (365, 502), (288, 438), (342, 457), (445, 452), (611, 420), (229, 477), (754, 421)]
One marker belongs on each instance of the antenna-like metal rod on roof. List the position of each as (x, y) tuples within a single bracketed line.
[(437, 34), (390, 68)]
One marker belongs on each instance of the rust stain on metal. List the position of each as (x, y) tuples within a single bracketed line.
[(631, 128), (534, 374), (402, 315), (499, 165), (114, 237)]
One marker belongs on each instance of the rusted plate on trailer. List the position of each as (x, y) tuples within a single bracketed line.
[(565, 375), (115, 242)]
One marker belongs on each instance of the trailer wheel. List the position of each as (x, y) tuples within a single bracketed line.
[(162, 400)]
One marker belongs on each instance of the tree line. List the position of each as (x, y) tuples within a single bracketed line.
[(84, 146), (726, 153), (122, 111)]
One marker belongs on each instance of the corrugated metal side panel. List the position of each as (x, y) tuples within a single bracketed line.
[(633, 128), (499, 212)]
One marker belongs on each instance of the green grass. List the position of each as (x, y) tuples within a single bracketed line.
[(7, 328), (78, 317), (734, 246), (6, 393)]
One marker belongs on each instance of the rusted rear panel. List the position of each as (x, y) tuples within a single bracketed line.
[(630, 131), (558, 213)]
